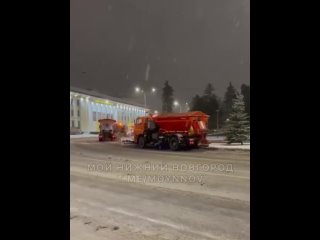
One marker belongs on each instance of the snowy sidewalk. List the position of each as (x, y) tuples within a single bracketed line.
[(215, 138), (219, 142), (233, 146), (84, 135)]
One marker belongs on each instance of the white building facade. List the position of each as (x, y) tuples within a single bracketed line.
[(87, 107)]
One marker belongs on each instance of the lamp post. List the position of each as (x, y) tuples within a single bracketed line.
[(218, 118), (139, 90), (176, 104), (187, 107)]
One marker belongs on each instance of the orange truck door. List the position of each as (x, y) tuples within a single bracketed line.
[(138, 128)]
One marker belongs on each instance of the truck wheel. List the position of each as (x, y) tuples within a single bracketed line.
[(141, 142), (174, 143)]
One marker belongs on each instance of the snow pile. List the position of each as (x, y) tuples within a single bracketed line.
[(127, 139)]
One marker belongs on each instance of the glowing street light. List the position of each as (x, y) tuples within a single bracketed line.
[(187, 106), (176, 104), (139, 90)]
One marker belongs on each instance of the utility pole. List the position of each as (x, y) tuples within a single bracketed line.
[(139, 90), (145, 99), (217, 118)]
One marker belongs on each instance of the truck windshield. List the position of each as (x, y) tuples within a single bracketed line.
[(151, 125), (107, 127)]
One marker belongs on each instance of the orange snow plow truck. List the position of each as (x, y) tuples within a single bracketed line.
[(175, 131), (110, 129)]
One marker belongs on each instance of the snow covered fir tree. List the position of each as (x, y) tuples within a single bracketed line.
[(237, 125)]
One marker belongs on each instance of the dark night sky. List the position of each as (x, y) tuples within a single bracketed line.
[(187, 42)]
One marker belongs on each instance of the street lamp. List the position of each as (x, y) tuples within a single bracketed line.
[(176, 103), (138, 90), (187, 106)]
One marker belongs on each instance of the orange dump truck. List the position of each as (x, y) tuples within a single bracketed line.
[(107, 129), (175, 130), (110, 129)]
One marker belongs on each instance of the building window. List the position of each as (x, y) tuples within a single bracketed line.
[(78, 124), (94, 115), (78, 102), (78, 113), (72, 123), (71, 112)]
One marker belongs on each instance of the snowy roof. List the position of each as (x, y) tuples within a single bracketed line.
[(95, 93)]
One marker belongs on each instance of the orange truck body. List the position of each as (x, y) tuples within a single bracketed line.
[(175, 130)]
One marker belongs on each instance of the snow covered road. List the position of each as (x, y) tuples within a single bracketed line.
[(121, 192)]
